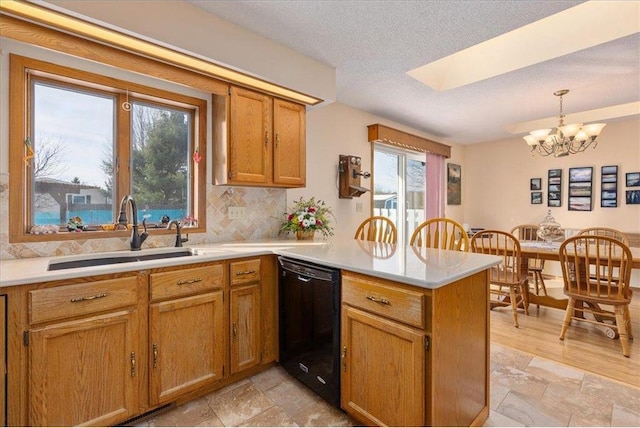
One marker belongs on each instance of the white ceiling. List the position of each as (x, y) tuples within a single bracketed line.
[(373, 44)]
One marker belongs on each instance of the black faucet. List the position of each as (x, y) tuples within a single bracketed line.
[(136, 238), (179, 238)]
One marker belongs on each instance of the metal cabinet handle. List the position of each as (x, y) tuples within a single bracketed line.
[(245, 272), (235, 332), (381, 300), (95, 296), (155, 355), (300, 278), (344, 358), (133, 364), (266, 138), (277, 139), (189, 281)]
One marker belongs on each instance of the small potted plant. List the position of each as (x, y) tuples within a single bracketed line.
[(306, 217)]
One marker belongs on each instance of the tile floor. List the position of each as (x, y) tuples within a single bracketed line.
[(526, 390)]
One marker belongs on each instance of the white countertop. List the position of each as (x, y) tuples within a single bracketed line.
[(423, 267)]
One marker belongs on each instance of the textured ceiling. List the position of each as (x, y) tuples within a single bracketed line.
[(373, 44)]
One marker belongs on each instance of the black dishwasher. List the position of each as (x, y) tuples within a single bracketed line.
[(310, 326)]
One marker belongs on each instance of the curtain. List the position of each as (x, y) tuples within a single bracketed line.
[(436, 186)]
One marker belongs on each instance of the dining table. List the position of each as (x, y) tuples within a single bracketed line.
[(550, 251)]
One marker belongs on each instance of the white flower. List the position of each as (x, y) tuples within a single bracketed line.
[(305, 223), (312, 220)]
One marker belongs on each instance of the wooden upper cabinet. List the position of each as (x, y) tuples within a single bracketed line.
[(259, 140), (289, 152), (250, 145)]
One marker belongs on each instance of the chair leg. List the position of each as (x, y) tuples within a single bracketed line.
[(538, 275), (525, 301), (514, 306), (627, 314), (567, 317), (621, 321)]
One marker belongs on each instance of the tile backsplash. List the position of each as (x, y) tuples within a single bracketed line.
[(264, 208)]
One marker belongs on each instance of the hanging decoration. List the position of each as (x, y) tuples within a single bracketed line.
[(126, 106), (196, 155), (29, 152)]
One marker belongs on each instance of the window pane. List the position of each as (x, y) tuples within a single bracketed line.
[(386, 185), (73, 139), (415, 196), (161, 141)]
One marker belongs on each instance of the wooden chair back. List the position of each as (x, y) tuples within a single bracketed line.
[(378, 229), (504, 245), (506, 280), (442, 233), (596, 269), (526, 232), (529, 232), (605, 231)]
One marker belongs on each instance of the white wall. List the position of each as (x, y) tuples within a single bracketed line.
[(496, 182), (341, 130)]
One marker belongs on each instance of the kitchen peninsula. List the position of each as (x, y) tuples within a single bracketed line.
[(415, 330)]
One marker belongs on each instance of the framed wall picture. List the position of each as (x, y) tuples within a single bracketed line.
[(554, 188), (535, 184), (536, 198), (633, 197), (580, 188), (454, 184), (609, 186), (633, 179)]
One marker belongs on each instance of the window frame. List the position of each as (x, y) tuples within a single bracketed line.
[(19, 128)]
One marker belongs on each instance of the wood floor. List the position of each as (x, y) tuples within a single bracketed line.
[(585, 346)]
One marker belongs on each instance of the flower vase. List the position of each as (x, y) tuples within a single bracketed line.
[(305, 234)]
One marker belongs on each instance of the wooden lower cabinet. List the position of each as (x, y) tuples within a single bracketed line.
[(414, 356), (382, 370), (84, 371), (245, 327), (245, 314), (186, 338)]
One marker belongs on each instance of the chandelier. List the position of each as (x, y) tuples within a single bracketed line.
[(567, 139)]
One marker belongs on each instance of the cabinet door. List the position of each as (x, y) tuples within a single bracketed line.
[(245, 327), (382, 355), (250, 135), (186, 345), (289, 152), (84, 371)]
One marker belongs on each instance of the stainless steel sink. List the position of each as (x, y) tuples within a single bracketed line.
[(110, 259)]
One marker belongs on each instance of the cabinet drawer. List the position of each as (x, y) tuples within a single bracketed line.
[(186, 281), (74, 300), (244, 272), (406, 306)]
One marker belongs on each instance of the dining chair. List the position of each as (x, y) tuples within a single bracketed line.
[(605, 231), (529, 232), (442, 233), (506, 281), (596, 271), (378, 229)]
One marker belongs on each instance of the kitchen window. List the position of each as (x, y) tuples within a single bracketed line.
[(88, 140)]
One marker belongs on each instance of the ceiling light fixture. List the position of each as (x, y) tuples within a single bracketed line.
[(567, 139)]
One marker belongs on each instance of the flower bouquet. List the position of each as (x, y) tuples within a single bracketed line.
[(306, 217)]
